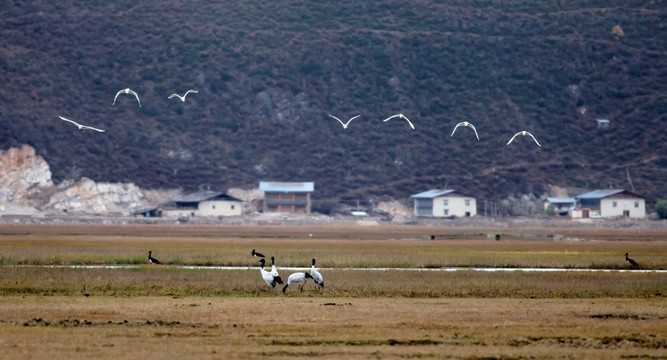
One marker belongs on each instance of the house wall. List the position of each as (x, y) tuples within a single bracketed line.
[(636, 207), (208, 208), (179, 212), (287, 202), (423, 207), (220, 208), (455, 206)]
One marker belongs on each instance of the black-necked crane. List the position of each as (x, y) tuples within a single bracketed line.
[(317, 277), (274, 271), (632, 262), (256, 254), (269, 279), (151, 259), (297, 278)]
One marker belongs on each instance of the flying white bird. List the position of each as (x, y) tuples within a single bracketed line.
[(523, 133), (81, 127), (347, 123), (400, 116), (465, 123), (184, 95), (126, 91)]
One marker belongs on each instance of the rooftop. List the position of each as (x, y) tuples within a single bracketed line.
[(559, 200), (276, 186), (599, 194), (200, 196), (433, 193)]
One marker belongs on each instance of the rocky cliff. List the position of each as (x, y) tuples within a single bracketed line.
[(26, 187)]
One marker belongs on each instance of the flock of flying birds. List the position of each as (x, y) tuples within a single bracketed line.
[(129, 91), (463, 123)]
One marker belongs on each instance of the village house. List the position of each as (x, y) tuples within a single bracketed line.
[(293, 197), (444, 203), (204, 203), (562, 206), (608, 204)]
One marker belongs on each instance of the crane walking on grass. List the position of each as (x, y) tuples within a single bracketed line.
[(297, 278)]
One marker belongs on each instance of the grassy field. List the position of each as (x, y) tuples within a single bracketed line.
[(170, 312)]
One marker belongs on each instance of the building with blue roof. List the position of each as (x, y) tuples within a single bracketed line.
[(609, 203)]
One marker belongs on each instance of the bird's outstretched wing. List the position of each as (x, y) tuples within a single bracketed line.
[(531, 135), (456, 127), (515, 135), (91, 128), (68, 120), (116, 97), (475, 130), (173, 95), (190, 91), (352, 118), (136, 96), (342, 123)]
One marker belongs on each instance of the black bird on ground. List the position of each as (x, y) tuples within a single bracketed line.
[(256, 254), (632, 262), (151, 259)]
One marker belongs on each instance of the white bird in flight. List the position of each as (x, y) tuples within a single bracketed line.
[(347, 123), (184, 95), (524, 133), (81, 127), (126, 91), (400, 116), (465, 123)]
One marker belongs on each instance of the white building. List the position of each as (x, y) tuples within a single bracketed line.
[(444, 203), (204, 203), (609, 203)]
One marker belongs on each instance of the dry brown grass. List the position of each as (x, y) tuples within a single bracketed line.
[(167, 312), (40, 327), (337, 247)]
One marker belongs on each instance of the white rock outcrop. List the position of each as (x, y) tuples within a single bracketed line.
[(23, 175), (87, 196), (26, 186)]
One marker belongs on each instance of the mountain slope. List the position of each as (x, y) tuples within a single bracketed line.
[(268, 73)]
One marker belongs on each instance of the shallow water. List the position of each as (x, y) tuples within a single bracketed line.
[(446, 269)]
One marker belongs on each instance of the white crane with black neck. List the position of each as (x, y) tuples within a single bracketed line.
[(268, 278), (317, 277)]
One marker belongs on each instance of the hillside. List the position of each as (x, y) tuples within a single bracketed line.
[(269, 72)]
